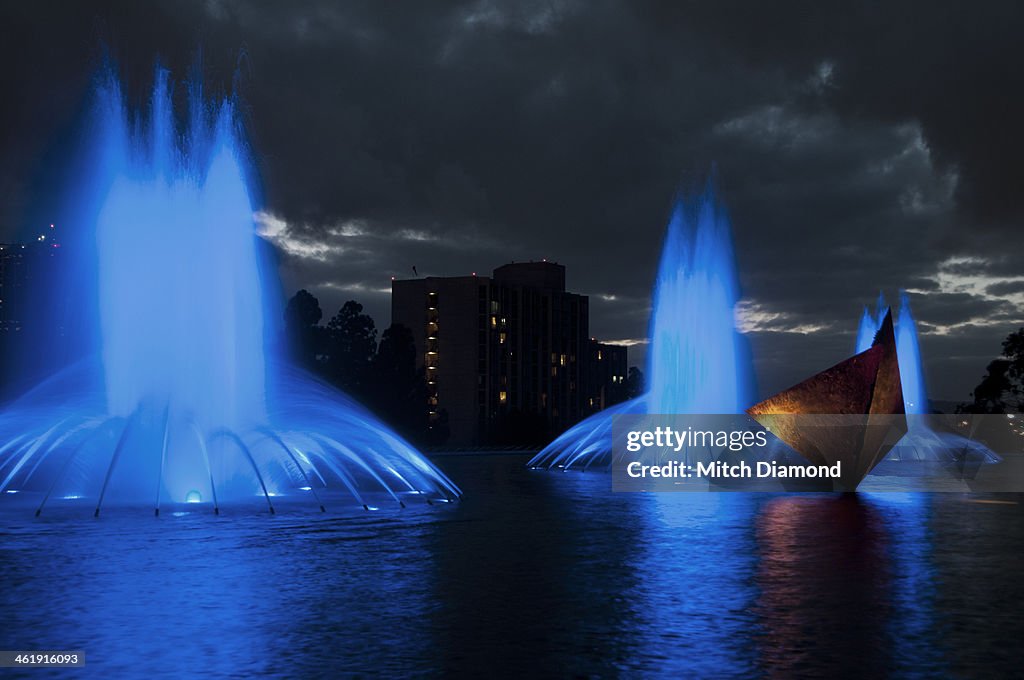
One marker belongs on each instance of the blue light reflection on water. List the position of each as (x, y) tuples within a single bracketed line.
[(533, 573)]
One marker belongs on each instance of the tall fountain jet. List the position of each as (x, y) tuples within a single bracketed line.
[(697, 361), (184, 404), (921, 442), (915, 400), (181, 314)]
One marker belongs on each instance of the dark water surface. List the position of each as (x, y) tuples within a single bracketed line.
[(533, 573)]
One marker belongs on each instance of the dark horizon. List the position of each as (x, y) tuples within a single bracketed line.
[(855, 150)]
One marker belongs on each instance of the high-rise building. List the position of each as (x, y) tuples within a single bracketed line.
[(606, 382), (30, 325), (507, 356), (15, 264), (25, 273)]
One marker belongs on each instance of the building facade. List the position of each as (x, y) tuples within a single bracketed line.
[(606, 383), (16, 262), (507, 356)]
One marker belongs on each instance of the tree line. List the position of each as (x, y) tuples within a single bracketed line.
[(381, 374), (1001, 389)]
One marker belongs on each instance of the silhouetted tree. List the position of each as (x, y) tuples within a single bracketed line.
[(1001, 390), (635, 383), (303, 334), (399, 389), (1013, 350), (383, 377), (352, 345)]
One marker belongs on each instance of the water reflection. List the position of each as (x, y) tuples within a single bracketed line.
[(533, 573), (533, 588), (694, 592), (825, 586)]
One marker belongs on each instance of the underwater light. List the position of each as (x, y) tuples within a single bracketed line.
[(193, 496)]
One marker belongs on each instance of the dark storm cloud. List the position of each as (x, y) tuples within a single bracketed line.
[(1006, 288), (944, 309), (859, 149)]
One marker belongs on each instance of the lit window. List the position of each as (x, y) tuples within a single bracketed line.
[(598, 355), (501, 338), (503, 396), (561, 360)]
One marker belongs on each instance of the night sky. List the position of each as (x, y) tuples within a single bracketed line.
[(860, 147)]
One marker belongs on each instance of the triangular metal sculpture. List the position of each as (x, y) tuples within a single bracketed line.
[(857, 407)]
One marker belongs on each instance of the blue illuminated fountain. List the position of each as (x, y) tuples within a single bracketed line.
[(184, 406), (697, 361), (921, 442), (908, 351)]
